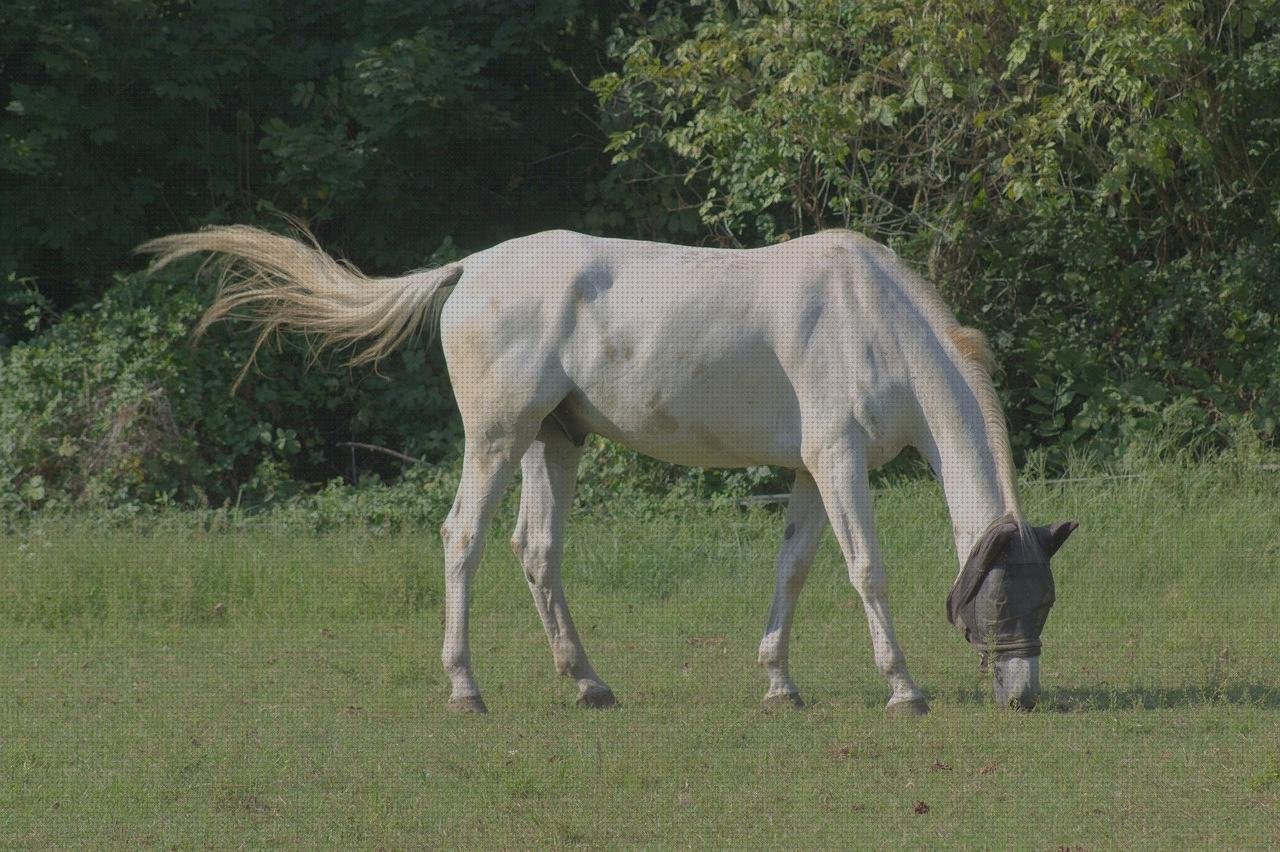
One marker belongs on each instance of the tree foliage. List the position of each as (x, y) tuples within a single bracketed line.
[(389, 127), (1093, 183), (403, 134)]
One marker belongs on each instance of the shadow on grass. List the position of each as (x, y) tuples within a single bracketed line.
[(1115, 697)]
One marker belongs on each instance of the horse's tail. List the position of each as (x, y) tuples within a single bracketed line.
[(279, 282)]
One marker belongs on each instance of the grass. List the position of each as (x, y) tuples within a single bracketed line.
[(186, 686)]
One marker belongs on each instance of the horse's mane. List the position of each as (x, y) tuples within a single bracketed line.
[(976, 365)]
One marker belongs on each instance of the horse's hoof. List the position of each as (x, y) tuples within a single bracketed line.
[(598, 698), (783, 701), (913, 707), (467, 704)]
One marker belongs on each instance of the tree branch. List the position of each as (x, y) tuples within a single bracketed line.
[(375, 448)]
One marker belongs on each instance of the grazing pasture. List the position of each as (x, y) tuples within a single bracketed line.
[(209, 681)]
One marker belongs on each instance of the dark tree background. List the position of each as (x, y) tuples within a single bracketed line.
[(390, 127), (1096, 185)]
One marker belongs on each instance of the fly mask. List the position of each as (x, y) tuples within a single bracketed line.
[(1001, 599)]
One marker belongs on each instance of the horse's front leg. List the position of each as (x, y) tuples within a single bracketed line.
[(841, 474), (806, 519)]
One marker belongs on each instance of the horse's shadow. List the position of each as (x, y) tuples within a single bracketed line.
[(1103, 696)]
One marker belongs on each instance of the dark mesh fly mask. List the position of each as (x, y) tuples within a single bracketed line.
[(1002, 598)]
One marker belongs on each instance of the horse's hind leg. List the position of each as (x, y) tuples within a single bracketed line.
[(806, 520), (487, 467), (550, 470)]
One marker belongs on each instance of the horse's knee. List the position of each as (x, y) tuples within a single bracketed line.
[(869, 580), (457, 534), (461, 549), (536, 557)]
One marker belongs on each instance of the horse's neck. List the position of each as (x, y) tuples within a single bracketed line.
[(954, 440)]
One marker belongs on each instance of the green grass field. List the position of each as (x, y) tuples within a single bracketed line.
[(194, 687)]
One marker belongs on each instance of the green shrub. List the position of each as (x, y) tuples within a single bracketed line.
[(1095, 184), (113, 407)]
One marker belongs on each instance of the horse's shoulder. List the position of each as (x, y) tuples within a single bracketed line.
[(856, 260), (877, 267)]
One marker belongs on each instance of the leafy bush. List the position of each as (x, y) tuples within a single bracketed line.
[(112, 406), (1095, 184), (615, 480)]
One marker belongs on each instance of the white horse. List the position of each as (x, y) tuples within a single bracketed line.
[(824, 354)]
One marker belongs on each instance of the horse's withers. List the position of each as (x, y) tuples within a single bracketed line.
[(1001, 601)]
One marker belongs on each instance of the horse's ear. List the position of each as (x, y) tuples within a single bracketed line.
[(1058, 534)]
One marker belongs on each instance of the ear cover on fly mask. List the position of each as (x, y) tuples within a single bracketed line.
[(1002, 598)]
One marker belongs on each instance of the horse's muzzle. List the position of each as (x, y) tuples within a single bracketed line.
[(1017, 681)]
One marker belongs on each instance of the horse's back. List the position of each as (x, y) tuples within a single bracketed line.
[(641, 282), (696, 355)]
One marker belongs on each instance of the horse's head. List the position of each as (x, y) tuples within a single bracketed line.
[(1001, 601)]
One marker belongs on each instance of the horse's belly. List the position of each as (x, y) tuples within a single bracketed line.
[(706, 417), (694, 442), (702, 444)]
